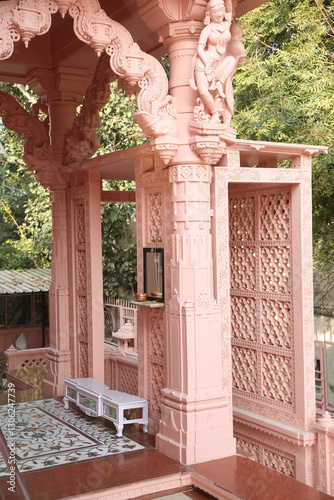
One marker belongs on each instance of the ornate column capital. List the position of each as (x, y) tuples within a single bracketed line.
[(62, 79), (180, 30), (157, 14)]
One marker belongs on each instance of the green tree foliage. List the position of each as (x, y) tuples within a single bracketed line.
[(119, 249), (118, 130), (119, 245), (285, 92)]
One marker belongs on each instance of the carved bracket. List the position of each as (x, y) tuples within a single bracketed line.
[(209, 140), (37, 149), (82, 141)]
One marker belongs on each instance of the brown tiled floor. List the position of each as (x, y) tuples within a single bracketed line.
[(238, 476), (249, 480), (98, 474)]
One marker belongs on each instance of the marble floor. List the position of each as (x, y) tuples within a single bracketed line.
[(46, 435)]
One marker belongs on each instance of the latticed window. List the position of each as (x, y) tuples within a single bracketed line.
[(261, 295)]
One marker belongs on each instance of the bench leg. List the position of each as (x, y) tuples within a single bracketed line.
[(119, 428), (65, 401), (145, 417)]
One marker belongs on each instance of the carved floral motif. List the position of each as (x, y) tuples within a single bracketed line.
[(82, 368), (80, 224), (82, 316), (156, 386), (155, 218), (157, 341)]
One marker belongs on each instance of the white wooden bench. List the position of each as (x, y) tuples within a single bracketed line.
[(96, 400)]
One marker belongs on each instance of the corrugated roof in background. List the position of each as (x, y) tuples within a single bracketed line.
[(27, 281)]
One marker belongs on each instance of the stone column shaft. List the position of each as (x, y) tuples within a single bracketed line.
[(194, 408), (58, 354)]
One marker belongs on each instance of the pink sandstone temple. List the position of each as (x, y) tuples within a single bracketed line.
[(226, 361)]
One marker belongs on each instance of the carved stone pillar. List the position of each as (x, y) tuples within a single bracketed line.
[(195, 424), (86, 294), (58, 354), (60, 92)]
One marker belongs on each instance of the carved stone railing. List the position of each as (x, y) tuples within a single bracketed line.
[(27, 358), (120, 370)]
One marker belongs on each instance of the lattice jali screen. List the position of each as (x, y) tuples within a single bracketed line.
[(128, 380), (278, 460), (261, 295)]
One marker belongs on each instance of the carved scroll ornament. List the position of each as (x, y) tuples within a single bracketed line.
[(139, 73)]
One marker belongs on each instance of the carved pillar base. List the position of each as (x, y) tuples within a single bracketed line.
[(58, 367), (190, 432)]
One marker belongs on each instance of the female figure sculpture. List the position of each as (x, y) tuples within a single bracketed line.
[(208, 75), (234, 57)]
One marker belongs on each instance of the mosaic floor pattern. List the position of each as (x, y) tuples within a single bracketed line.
[(46, 435)]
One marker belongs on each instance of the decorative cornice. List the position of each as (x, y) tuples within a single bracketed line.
[(274, 428)]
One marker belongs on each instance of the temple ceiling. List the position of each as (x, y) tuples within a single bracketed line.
[(60, 46)]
